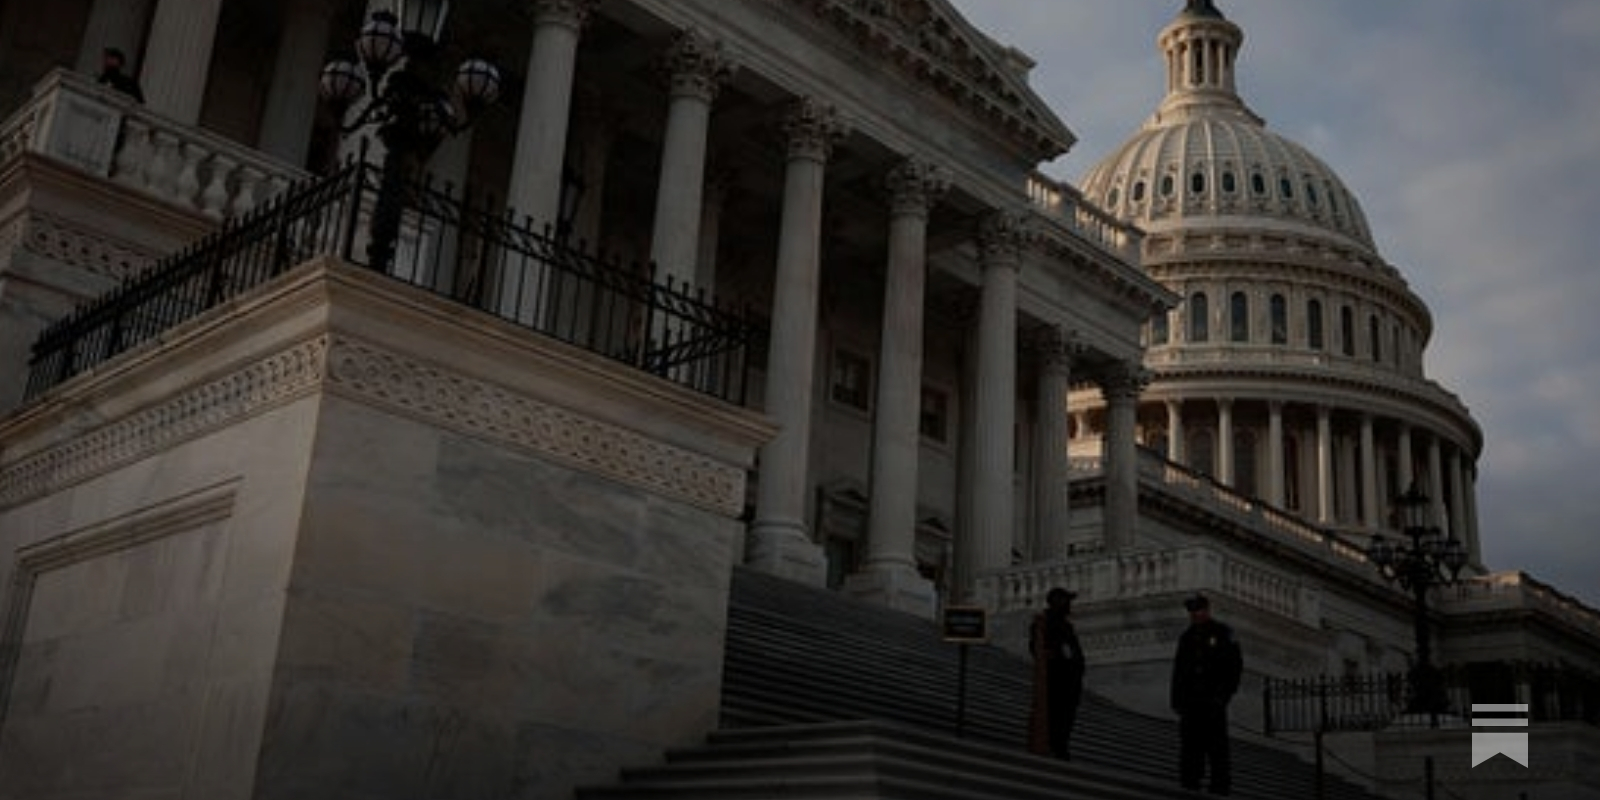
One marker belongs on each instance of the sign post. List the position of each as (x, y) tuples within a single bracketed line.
[(964, 625)]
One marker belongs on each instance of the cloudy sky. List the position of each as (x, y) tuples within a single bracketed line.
[(1470, 131)]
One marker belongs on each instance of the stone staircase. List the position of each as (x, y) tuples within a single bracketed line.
[(828, 697)]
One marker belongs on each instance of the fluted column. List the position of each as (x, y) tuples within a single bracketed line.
[(538, 158), (292, 97), (177, 60), (1275, 468), (988, 545), (779, 542), (113, 23), (889, 575), (1052, 497), (1175, 443), (1458, 511), (1403, 458), (1369, 475), (1121, 388), (696, 68), (1436, 481), (1324, 465), (1224, 465), (1474, 544)]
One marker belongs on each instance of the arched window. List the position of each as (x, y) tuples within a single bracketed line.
[(1138, 191), (1199, 330), (1228, 184), (1239, 317), (1112, 196), (1394, 351), (1347, 330), (1258, 183), (1286, 188), (1166, 185), (1278, 309), (1159, 332), (1197, 183), (1202, 452), (1314, 324), (1375, 337)]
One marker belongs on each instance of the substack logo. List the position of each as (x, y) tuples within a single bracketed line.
[(1486, 744)]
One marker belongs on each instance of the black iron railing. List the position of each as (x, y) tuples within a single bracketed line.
[(1324, 704), (470, 253)]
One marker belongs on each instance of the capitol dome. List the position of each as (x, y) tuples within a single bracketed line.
[(1204, 159)]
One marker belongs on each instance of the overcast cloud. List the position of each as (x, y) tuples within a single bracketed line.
[(1470, 132)]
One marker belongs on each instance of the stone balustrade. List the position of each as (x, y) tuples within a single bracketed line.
[(72, 119), (1064, 203), (1514, 590), (1159, 574)]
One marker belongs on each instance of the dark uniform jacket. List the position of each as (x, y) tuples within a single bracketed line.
[(1205, 673), (1055, 639)]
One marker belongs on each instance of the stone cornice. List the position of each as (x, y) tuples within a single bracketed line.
[(142, 404), (932, 44)]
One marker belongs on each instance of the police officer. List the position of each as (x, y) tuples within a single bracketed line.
[(1205, 675)]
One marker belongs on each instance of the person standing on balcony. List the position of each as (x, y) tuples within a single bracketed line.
[(1058, 667), (1205, 676), (112, 64)]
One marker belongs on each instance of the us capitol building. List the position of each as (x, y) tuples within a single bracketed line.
[(291, 442)]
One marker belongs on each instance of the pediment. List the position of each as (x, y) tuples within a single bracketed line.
[(930, 41)]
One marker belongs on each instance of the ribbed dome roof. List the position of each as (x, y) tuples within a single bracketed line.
[(1205, 160)]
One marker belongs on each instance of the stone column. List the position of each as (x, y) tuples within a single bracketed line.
[(696, 69), (1121, 388), (1369, 476), (1403, 458), (1224, 465), (538, 159), (1458, 513), (292, 97), (779, 541), (1275, 467), (1436, 482), (1052, 496), (178, 59), (987, 546), (114, 23), (1474, 544), (1175, 443), (1324, 466), (889, 575)]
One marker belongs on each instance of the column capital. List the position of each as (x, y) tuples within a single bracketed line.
[(915, 185), (567, 13), (1003, 236), (696, 65), (1124, 380), (812, 127), (1057, 348)]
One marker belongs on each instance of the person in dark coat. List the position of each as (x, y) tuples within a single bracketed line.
[(112, 73), (1057, 676), (1205, 676)]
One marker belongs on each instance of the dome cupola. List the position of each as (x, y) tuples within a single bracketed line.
[(1204, 160)]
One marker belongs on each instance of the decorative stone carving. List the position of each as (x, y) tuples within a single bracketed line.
[(483, 409), (395, 381), (915, 185), (78, 246), (570, 13), (696, 65), (1124, 380), (201, 409), (812, 128), (1003, 236)]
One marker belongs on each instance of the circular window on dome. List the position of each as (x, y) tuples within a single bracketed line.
[(1258, 183), (1138, 192), (1197, 183), (1228, 182), (1166, 185)]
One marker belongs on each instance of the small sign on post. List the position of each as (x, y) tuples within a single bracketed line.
[(966, 625)]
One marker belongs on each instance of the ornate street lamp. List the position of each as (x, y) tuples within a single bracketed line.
[(405, 103), (1423, 559)]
